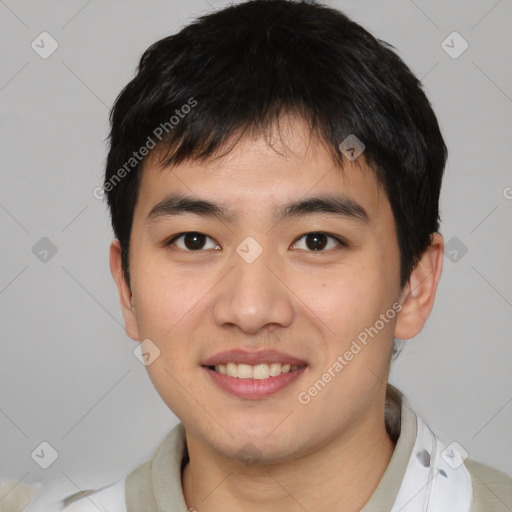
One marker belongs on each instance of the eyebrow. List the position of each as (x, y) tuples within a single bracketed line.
[(338, 205)]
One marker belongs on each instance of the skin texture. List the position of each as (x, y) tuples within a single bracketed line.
[(309, 304)]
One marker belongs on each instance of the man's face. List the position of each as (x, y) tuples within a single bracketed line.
[(249, 287)]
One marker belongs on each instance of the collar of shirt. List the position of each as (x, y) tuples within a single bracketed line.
[(422, 475)]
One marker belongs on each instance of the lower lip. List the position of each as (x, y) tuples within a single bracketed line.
[(254, 389)]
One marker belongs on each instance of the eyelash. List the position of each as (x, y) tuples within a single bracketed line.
[(340, 241)]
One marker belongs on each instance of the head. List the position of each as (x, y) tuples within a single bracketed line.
[(304, 160)]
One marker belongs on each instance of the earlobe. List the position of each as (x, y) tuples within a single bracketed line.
[(125, 295), (418, 295)]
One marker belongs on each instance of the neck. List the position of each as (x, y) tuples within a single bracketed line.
[(345, 470)]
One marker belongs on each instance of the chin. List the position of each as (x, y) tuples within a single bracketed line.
[(253, 443)]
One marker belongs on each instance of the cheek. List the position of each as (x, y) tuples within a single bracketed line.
[(344, 300), (165, 299), (348, 306), (169, 308)]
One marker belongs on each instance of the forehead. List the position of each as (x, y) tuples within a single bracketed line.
[(261, 172)]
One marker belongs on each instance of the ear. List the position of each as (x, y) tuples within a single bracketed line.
[(125, 295), (418, 295)]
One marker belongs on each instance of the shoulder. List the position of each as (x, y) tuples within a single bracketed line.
[(492, 489), (109, 499)]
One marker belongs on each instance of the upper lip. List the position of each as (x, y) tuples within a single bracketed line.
[(253, 357)]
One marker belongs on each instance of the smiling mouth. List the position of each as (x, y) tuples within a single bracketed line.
[(258, 372)]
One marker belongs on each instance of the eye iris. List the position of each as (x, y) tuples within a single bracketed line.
[(194, 240), (318, 241)]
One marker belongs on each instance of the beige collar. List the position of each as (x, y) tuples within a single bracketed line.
[(155, 486)]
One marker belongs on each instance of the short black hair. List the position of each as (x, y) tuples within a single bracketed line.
[(240, 68)]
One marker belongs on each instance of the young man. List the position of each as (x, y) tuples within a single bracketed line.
[(273, 180)]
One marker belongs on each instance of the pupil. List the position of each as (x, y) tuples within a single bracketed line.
[(194, 240), (318, 241)]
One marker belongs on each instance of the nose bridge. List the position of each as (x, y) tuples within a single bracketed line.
[(251, 296), (253, 276)]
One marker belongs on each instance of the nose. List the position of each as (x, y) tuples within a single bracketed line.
[(253, 296)]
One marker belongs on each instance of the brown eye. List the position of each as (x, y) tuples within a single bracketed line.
[(193, 241), (318, 241)]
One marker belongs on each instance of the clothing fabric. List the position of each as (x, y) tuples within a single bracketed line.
[(424, 474)]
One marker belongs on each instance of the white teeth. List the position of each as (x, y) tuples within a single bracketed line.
[(259, 371), (244, 371), (230, 369), (275, 369)]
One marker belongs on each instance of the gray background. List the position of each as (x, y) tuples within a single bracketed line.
[(68, 374)]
